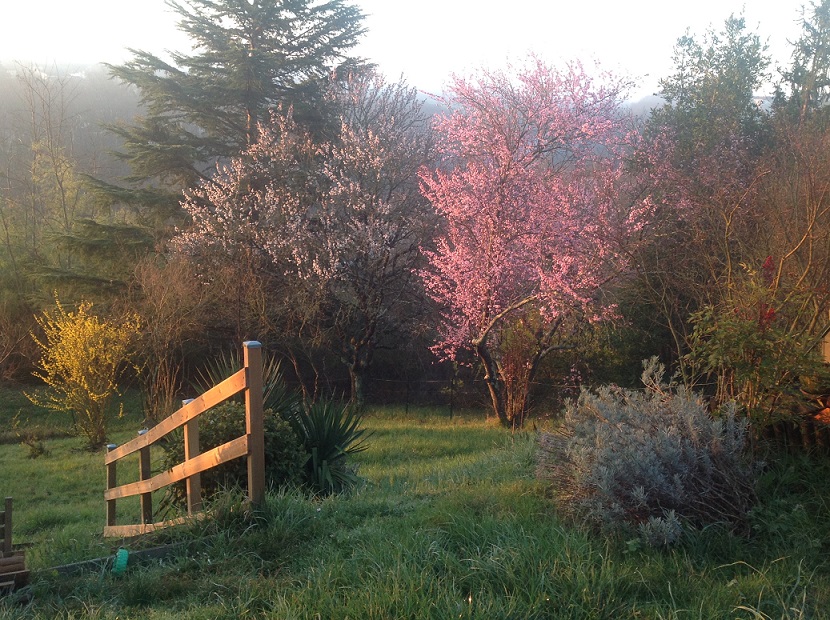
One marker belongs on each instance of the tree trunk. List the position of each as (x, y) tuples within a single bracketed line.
[(495, 383), (358, 390), (358, 363)]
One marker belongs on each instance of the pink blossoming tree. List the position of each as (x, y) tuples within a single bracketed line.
[(536, 211)]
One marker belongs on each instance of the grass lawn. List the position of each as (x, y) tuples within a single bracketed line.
[(450, 523)]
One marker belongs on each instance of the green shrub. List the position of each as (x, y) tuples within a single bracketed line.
[(755, 343), (284, 454), (649, 461), (31, 437)]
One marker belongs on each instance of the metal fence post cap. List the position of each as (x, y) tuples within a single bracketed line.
[(111, 446), (252, 344)]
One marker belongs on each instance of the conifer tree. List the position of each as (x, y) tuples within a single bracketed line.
[(248, 56)]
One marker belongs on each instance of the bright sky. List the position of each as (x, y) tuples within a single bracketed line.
[(423, 40)]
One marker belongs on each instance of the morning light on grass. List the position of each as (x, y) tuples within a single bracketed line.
[(290, 328), (448, 520)]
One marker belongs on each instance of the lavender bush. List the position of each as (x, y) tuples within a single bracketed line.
[(649, 460)]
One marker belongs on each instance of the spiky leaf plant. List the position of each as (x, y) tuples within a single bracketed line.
[(331, 433), (275, 394)]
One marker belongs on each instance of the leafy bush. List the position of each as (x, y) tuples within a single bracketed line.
[(30, 436), (649, 460), (284, 455), (755, 345), (330, 433)]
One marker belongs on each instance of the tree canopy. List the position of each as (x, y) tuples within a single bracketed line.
[(334, 225), (529, 196), (248, 57)]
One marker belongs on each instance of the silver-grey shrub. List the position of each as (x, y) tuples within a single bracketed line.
[(649, 460)]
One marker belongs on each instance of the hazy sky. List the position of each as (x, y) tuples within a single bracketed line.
[(425, 40)]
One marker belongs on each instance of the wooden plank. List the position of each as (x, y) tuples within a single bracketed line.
[(254, 424), (127, 531), (144, 473), (215, 395), (14, 580), (12, 565), (222, 454), (112, 482)]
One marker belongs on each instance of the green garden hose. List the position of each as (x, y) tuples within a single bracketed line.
[(120, 563)]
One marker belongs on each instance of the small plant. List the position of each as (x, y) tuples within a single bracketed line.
[(661, 531), (82, 358), (330, 432), (649, 461), (284, 455), (30, 437)]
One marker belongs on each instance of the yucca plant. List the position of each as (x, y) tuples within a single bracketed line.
[(331, 432), (275, 394)]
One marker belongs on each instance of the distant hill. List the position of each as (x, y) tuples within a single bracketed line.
[(644, 106)]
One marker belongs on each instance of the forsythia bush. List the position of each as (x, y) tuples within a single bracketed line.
[(649, 461), (82, 357)]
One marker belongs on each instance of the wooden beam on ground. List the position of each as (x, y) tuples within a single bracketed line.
[(137, 529)]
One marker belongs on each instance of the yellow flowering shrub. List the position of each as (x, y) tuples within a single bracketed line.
[(82, 358)]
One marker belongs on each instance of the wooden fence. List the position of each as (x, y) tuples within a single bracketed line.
[(13, 573), (250, 445), (6, 522)]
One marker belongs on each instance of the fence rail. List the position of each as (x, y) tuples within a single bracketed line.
[(250, 445)]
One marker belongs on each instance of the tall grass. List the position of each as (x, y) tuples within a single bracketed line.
[(450, 523), (58, 496)]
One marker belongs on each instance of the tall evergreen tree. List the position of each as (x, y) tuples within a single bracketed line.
[(808, 78), (710, 97), (248, 56)]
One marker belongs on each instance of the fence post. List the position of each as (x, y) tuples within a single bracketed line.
[(7, 529), (452, 392), (254, 425), (144, 474), (112, 482), (191, 450)]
